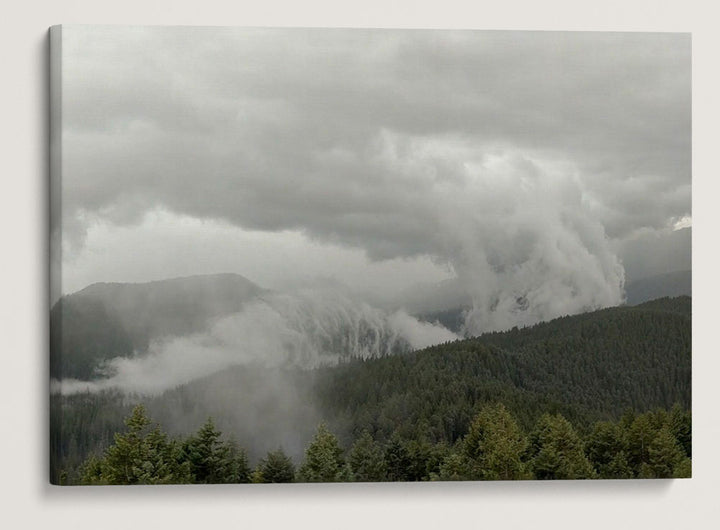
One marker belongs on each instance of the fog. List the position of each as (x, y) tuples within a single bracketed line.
[(302, 329), (251, 370)]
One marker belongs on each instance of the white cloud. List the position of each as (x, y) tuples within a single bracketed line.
[(303, 329), (510, 157)]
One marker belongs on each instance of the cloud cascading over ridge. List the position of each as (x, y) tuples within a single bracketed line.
[(520, 160), (305, 329)]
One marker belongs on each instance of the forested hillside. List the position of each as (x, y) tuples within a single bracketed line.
[(570, 375), (589, 367)]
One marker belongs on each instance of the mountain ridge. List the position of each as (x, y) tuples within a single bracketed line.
[(113, 319)]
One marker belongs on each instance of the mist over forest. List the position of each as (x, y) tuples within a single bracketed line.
[(268, 368)]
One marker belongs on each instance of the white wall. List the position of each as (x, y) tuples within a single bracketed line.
[(29, 501)]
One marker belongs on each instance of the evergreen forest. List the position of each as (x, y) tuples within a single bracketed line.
[(604, 394)]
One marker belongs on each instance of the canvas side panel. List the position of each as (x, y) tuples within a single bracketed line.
[(55, 231), (55, 160)]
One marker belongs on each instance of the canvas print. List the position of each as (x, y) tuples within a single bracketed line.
[(367, 255)]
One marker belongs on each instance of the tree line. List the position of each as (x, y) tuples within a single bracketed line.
[(654, 444)]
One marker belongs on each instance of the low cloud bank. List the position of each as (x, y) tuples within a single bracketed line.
[(304, 329)]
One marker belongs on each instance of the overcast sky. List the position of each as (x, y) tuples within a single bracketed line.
[(527, 162)]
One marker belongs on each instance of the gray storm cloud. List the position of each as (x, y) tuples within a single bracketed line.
[(518, 159), (517, 234)]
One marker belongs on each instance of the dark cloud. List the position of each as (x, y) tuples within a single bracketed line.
[(509, 156), (211, 122)]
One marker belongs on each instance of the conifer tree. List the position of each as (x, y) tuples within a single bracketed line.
[(425, 458), (639, 436), (213, 461), (494, 446), (681, 427), (324, 459), (397, 460), (664, 454), (557, 451), (139, 456), (455, 467), (366, 460), (240, 469), (607, 451), (274, 468)]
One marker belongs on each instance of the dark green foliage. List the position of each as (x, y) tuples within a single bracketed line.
[(683, 469), (142, 455), (455, 467), (494, 446), (654, 448), (493, 449), (639, 434), (664, 455), (606, 449), (588, 368), (240, 468), (425, 458), (556, 450), (276, 467), (213, 461), (412, 460), (397, 460), (648, 445), (324, 460), (82, 425), (366, 460), (680, 423)]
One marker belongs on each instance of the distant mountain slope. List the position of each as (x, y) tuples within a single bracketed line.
[(106, 320), (589, 367), (671, 284)]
